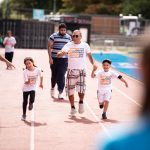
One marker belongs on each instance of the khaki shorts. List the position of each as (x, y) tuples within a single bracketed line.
[(75, 80)]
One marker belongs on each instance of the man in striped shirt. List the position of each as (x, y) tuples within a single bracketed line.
[(58, 65)]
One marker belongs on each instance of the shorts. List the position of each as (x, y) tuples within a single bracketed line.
[(75, 80), (103, 95)]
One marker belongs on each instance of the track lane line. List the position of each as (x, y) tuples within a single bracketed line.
[(125, 95), (32, 131), (97, 119)]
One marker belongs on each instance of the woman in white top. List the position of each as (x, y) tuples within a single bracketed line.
[(9, 43)]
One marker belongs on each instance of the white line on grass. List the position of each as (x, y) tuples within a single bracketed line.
[(125, 95), (32, 131), (97, 119)]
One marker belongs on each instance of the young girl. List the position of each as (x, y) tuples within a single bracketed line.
[(31, 75), (104, 85)]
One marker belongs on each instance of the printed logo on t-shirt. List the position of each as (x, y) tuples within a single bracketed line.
[(76, 52), (32, 80), (105, 80)]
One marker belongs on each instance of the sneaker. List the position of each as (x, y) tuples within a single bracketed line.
[(52, 92), (101, 106), (104, 116), (60, 96), (73, 111), (81, 108), (23, 118), (30, 106)]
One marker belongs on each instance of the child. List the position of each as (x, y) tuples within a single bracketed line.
[(31, 74), (104, 85)]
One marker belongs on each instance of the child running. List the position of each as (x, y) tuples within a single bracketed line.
[(104, 91), (31, 75)]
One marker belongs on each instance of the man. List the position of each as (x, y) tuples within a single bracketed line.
[(9, 64), (77, 51), (58, 65), (9, 43)]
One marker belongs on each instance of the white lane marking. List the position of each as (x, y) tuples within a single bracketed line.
[(125, 95), (97, 119), (32, 131)]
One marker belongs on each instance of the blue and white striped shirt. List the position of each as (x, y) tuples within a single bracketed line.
[(58, 42)]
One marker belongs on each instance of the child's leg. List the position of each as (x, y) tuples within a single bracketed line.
[(32, 98), (106, 104), (25, 102), (107, 97), (100, 98)]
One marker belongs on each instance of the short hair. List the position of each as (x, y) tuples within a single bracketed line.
[(62, 25), (106, 60)]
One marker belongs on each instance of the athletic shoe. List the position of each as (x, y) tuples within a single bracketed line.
[(73, 111), (30, 106), (52, 92), (104, 116), (23, 118), (101, 106), (60, 96), (81, 108)]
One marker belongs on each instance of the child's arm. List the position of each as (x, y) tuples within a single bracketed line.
[(123, 80), (27, 82)]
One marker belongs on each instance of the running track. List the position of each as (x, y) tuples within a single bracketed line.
[(49, 126)]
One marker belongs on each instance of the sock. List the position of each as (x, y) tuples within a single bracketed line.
[(80, 102)]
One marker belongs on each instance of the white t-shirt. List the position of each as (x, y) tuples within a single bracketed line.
[(105, 79), (33, 76), (77, 54), (9, 43)]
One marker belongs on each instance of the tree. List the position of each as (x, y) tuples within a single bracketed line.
[(136, 7), (25, 6), (92, 6)]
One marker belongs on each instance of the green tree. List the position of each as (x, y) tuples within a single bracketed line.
[(136, 7), (92, 6), (25, 6)]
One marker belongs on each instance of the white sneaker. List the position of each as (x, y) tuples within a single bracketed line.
[(52, 93), (73, 111), (81, 108), (60, 96), (23, 118)]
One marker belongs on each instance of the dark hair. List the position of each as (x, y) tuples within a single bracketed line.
[(29, 59), (106, 60), (62, 25)]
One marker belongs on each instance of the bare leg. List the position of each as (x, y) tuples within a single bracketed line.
[(81, 105), (71, 99), (106, 104), (81, 96)]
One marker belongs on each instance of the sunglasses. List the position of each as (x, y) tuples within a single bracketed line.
[(75, 36)]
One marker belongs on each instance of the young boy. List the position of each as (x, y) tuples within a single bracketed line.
[(104, 85)]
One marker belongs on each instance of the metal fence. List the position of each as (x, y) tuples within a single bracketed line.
[(29, 34)]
